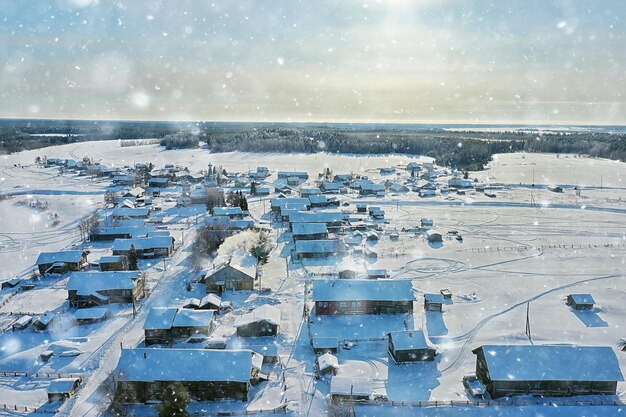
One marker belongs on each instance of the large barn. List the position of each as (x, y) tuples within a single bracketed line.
[(547, 370)]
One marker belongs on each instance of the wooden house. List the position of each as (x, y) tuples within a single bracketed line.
[(547, 370), (61, 262), (165, 324), (317, 248), (309, 231), (145, 247), (260, 322), (149, 371), (409, 346), (362, 296), (113, 263), (228, 277), (86, 289)]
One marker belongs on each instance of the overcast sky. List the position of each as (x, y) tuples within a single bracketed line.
[(467, 61)]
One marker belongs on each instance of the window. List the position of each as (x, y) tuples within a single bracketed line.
[(343, 304)]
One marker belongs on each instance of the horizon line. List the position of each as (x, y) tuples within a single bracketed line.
[(331, 122)]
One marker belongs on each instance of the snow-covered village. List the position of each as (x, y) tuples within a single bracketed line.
[(329, 208), (310, 284)]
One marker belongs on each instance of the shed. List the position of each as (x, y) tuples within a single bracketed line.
[(91, 315), (327, 364), (262, 321), (580, 301), (43, 321), (62, 388), (433, 302), (409, 346), (350, 388)]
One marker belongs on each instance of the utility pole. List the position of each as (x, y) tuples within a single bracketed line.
[(528, 322)]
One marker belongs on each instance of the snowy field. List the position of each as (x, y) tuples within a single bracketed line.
[(526, 248)]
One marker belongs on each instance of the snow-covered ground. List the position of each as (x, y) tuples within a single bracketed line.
[(526, 248)]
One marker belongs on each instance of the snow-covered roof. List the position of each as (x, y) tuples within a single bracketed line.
[(160, 318), (110, 259), (408, 339), (62, 385), (280, 202), (327, 360), (185, 365), (86, 283), (227, 211), (93, 313), (551, 363), (435, 298), (342, 385), (193, 318), (316, 217), (134, 231), (213, 299), (316, 246), (142, 243), (309, 228), (266, 312), (130, 212), (582, 298), (325, 342), (64, 256), (363, 289)]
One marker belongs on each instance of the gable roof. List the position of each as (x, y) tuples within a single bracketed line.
[(63, 256), (363, 289), (317, 246), (86, 283), (408, 339), (172, 365), (143, 243), (551, 363), (160, 318), (193, 318), (308, 228), (266, 312)]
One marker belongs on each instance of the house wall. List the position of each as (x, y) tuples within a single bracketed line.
[(362, 307), (233, 279), (410, 355), (258, 329), (198, 390)]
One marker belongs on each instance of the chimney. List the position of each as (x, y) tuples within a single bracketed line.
[(145, 355)]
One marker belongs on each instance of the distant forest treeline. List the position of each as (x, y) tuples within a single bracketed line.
[(467, 150), (463, 150)]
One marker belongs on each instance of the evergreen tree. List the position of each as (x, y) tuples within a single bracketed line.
[(132, 259), (253, 188), (175, 401)]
